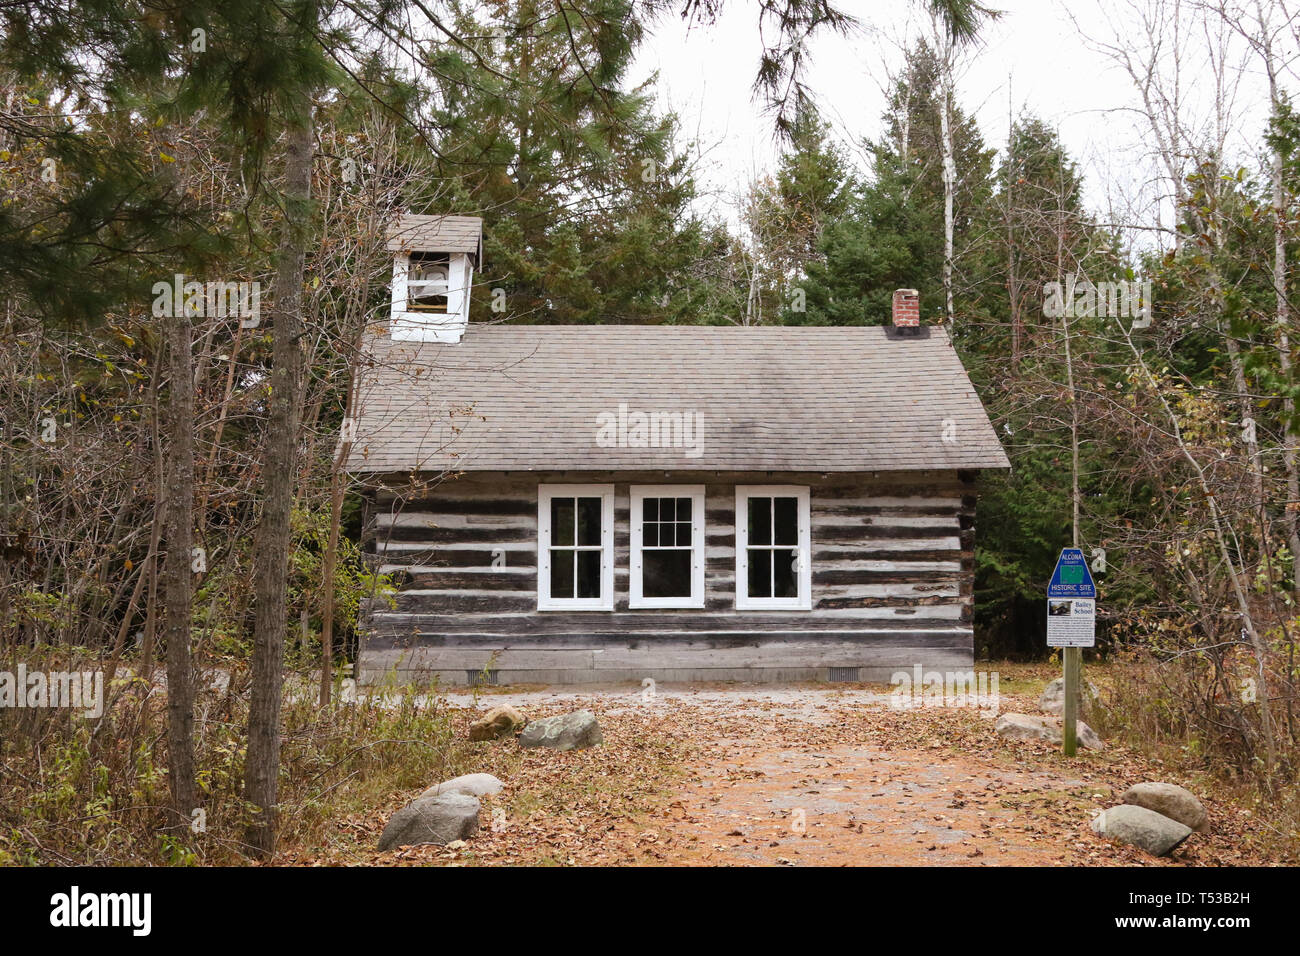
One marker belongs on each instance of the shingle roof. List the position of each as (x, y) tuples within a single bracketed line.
[(533, 398), (437, 234)]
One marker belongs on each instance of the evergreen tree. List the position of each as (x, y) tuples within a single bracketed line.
[(584, 196), (891, 235)]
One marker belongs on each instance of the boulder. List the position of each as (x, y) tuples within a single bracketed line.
[(573, 731), (1029, 727), (497, 722), (440, 819), (1087, 737), (1053, 699), (1142, 828), (470, 784), (1169, 800)]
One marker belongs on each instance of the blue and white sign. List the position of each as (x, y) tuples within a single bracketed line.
[(1071, 578), (1071, 602)]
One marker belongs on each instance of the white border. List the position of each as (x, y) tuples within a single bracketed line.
[(743, 601), (544, 600), (638, 495)]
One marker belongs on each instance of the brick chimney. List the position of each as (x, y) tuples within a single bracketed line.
[(907, 309)]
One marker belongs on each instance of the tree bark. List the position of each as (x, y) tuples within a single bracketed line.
[(279, 466), (177, 574)]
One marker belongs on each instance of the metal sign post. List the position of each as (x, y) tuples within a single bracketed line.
[(1071, 625)]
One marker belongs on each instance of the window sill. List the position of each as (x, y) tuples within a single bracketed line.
[(582, 606), (782, 605)]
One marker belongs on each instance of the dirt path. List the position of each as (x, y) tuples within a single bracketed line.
[(855, 805), (788, 791), (809, 776)]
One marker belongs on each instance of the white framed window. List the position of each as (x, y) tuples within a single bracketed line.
[(667, 559), (575, 547), (773, 563)]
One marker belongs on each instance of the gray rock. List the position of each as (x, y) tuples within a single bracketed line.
[(1087, 737), (1029, 727), (1053, 699), (573, 731), (1142, 828), (440, 819), (1170, 800), (471, 784)]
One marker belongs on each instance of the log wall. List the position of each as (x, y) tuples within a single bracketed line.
[(892, 571)]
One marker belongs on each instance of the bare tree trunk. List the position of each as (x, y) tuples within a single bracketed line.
[(338, 481), (1013, 279), (327, 575), (949, 181), (178, 576), (272, 541)]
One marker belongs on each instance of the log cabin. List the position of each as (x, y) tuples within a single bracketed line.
[(603, 503)]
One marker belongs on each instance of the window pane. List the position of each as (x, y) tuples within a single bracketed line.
[(650, 534), (561, 574), (666, 508), (760, 572), (588, 574), (787, 580), (787, 520), (683, 509), (683, 534), (665, 535), (650, 509), (562, 521), (760, 520), (589, 521), (666, 574)]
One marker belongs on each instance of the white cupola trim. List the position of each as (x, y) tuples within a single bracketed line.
[(433, 275)]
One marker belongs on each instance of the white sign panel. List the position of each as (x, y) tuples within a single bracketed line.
[(1071, 622)]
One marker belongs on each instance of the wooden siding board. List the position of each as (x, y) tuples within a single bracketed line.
[(951, 638)]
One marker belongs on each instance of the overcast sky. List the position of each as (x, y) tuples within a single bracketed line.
[(1034, 57)]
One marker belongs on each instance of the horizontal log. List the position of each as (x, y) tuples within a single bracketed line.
[(464, 602), (481, 502), (504, 578), (948, 523), (901, 603), (826, 555), (896, 538), (659, 620), (466, 557), (832, 575), (438, 519), (957, 637), (614, 658), (460, 535)]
